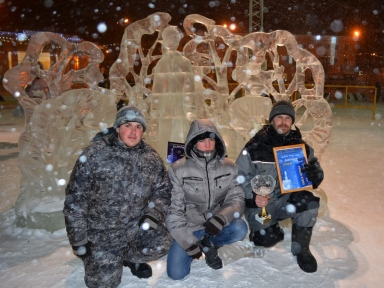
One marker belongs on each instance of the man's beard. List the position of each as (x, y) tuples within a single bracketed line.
[(280, 129)]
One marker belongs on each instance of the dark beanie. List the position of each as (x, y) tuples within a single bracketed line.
[(129, 114), (282, 107), (202, 136)]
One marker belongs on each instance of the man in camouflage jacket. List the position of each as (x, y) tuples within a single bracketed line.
[(116, 202)]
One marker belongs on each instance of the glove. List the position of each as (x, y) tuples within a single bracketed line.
[(314, 172), (194, 251), (150, 219), (214, 225), (82, 251)]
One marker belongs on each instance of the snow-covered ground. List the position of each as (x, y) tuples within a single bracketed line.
[(347, 240)]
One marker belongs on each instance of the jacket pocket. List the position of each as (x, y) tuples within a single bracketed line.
[(222, 180), (194, 188)]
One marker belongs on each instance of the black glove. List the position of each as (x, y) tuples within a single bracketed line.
[(150, 219), (82, 250), (214, 225), (194, 251), (314, 172)]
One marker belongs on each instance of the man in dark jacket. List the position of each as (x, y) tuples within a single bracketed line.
[(257, 158), (116, 202), (207, 201)]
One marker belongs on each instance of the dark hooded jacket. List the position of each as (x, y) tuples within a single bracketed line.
[(202, 188), (110, 188), (257, 158)]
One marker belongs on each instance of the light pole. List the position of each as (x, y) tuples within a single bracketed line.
[(256, 18)]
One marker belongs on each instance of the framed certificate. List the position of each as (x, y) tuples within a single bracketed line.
[(290, 161)]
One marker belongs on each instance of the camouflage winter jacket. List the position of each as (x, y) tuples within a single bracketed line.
[(202, 189), (110, 188)]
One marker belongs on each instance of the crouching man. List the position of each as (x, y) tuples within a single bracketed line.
[(116, 202), (257, 158), (207, 201)]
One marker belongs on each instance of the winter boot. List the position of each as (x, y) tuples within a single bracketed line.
[(301, 236), (211, 255), (140, 270), (267, 237)]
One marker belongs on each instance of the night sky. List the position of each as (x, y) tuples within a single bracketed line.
[(81, 17)]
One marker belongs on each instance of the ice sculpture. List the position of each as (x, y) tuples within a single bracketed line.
[(57, 129), (171, 88), (176, 93)]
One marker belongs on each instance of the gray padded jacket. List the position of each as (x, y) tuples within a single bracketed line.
[(202, 189)]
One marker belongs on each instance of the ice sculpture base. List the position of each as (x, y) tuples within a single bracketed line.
[(50, 221)]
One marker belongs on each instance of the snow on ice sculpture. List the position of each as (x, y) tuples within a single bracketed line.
[(57, 129), (214, 57), (131, 54), (257, 81)]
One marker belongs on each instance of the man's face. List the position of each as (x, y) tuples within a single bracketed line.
[(130, 133), (206, 145), (282, 123)]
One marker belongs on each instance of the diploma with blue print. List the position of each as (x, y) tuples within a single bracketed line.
[(290, 161)]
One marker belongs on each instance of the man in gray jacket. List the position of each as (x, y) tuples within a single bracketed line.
[(116, 201), (257, 158), (207, 201)]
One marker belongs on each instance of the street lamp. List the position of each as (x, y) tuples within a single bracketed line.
[(356, 35)]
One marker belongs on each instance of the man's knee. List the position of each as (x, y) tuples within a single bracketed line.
[(304, 201), (240, 230), (306, 218), (177, 274)]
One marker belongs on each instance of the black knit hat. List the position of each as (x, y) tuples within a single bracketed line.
[(282, 107)]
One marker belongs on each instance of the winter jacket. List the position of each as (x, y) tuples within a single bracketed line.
[(202, 189), (257, 158), (110, 188)]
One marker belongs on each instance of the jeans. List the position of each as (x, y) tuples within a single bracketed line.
[(179, 263)]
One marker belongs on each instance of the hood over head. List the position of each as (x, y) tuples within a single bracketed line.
[(201, 129)]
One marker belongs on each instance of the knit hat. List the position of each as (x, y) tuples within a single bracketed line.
[(202, 137), (129, 114), (282, 107)]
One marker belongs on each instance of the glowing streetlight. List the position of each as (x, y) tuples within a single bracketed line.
[(232, 26)]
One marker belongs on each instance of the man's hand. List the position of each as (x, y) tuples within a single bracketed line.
[(314, 172), (194, 251), (262, 201), (214, 225)]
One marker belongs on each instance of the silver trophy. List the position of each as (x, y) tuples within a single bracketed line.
[(263, 185)]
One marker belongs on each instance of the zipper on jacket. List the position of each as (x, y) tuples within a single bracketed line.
[(218, 177), (209, 188)]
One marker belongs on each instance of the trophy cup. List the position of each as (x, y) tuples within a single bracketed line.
[(263, 185)]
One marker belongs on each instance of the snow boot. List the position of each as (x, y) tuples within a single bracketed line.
[(211, 255), (267, 237), (140, 270), (301, 236)]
